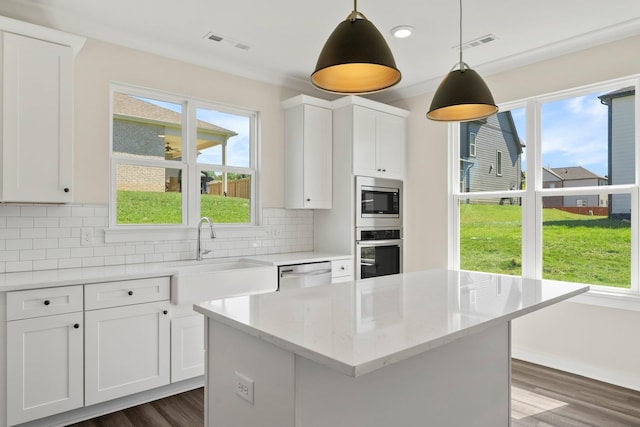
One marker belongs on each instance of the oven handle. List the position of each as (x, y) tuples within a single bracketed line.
[(391, 242)]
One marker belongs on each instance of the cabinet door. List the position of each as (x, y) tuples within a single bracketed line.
[(126, 350), (44, 366), (364, 141), (390, 145), (187, 347), (317, 171), (37, 120)]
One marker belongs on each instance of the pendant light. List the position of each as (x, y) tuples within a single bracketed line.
[(462, 95), (356, 59)]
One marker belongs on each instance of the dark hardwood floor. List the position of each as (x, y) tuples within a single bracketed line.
[(181, 410), (540, 397)]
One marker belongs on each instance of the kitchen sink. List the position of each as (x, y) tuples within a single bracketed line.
[(202, 280)]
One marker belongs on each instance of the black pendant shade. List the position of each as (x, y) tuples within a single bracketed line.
[(462, 96), (356, 59)]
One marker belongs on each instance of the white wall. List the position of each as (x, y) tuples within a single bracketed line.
[(589, 340)]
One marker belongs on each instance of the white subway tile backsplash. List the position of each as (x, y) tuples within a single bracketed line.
[(59, 211), (31, 233), (45, 243), (26, 211), (9, 255), (97, 261), (32, 254), (59, 253), (58, 232), (45, 264), (70, 263), (71, 221), (6, 211), (40, 237), (15, 266), (19, 222), (46, 222)]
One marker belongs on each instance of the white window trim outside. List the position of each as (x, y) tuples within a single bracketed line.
[(498, 163), (191, 205), (532, 197)]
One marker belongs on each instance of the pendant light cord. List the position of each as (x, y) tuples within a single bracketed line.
[(354, 15), (460, 45)]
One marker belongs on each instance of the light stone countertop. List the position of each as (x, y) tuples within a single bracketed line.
[(360, 326), (80, 276)]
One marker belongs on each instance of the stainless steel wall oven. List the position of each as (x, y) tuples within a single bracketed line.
[(378, 251)]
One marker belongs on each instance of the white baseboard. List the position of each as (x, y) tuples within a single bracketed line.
[(630, 380), (87, 412)]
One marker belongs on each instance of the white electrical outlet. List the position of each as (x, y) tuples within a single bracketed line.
[(244, 387), (86, 236)]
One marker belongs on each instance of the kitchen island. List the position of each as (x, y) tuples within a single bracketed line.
[(423, 348)]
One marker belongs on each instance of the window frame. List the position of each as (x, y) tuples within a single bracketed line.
[(498, 163), (189, 166), (532, 196), (472, 144)]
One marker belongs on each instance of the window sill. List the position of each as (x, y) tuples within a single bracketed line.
[(149, 234), (609, 299)]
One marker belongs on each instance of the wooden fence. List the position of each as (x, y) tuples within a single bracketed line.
[(237, 188), (584, 210)]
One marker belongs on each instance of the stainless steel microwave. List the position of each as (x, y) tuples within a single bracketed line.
[(378, 202)]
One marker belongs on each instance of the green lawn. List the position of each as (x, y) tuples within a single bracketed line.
[(576, 248), (141, 207)]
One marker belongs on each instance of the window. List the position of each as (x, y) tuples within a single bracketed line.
[(176, 159), (568, 209), (472, 144)]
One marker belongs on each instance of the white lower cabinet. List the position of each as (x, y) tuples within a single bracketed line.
[(187, 347), (74, 346), (44, 366), (126, 350)]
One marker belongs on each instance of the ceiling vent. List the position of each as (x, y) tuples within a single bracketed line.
[(222, 39), (477, 42)]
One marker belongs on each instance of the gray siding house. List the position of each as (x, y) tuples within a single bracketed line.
[(572, 176), (490, 155), (621, 168)]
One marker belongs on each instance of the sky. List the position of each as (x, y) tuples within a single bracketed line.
[(574, 133)]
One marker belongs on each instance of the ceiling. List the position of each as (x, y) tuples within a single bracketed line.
[(284, 37)]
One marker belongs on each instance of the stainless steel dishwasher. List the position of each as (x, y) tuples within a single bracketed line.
[(303, 275)]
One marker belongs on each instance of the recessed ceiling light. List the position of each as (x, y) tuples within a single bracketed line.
[(402, 31)]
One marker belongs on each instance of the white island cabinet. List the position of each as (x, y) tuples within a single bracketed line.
[(36, 82), (423, 348)]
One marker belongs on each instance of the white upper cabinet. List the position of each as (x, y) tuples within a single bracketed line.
[(379, 140), (308, 152), (37, 113)]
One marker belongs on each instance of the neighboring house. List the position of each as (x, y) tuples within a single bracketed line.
[(572, 176), (142, 129), (621, 105), (490, 154)]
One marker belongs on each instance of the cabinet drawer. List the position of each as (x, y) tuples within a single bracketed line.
[(126, 292), (341, 268), (43, 302)]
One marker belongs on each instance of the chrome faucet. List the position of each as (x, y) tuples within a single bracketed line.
[(199, 250)]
